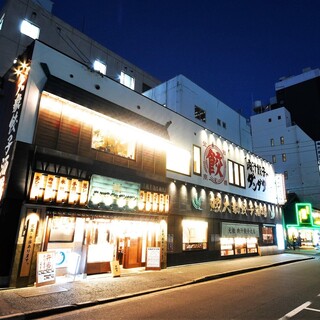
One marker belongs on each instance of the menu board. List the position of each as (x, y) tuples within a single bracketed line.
[(153, 258), (46, 268)]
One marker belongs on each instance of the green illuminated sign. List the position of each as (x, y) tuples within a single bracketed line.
[(304, 213)]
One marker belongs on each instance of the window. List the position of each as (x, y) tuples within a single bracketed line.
[(236, 174), (219, 122), (29, 29), (194, 235), (272, 142), (267, 235), (274, 159), (279, 117), (285, 175), (178, 160), (100, 67), (199, 114), (111, 137), (224, 125), (127, 80), (284, 157), (197, 160), (281, 140), (269, 120)]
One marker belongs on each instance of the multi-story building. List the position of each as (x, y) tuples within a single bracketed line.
[(300, 94), (188, 99), (94, 172), (293, 153), (22, 21)]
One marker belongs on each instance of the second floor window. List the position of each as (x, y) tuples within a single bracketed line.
[(236, 174), (281, 140), (274, 159), (196, 160)]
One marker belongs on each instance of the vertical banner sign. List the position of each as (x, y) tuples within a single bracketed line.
[(21, 73), (29, 246)]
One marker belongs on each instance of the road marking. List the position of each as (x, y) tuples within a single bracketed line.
[(312, 309), (295, 311)]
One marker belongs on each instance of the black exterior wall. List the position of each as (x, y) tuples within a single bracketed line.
[(11, 206)]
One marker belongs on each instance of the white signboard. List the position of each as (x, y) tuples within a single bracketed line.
[(153, 258)]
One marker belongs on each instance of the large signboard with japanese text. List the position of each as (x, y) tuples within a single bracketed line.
[(21, 72)]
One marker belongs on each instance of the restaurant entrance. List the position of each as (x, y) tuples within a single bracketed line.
[(98, 241)]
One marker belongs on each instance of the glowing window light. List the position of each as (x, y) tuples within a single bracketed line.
[(76, 112), (29, 29), (127, 80), (100, 67), (178, 159)]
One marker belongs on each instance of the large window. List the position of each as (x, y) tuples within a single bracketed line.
[(194, 235), (127, 80), (236, 174), (178, 160), (113, 138), (197, 160)]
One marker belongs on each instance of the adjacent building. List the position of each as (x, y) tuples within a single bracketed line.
[(292, 152)]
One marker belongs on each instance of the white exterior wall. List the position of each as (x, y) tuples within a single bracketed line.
[(183, 132), (61, 36), (182, 95), (301, 158)]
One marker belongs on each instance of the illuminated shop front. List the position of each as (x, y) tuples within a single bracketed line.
[(237, 238), (307, 226), (89, 224)]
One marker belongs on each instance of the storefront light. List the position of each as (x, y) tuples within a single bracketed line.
[(280, 236), (121, 202), (108, 199), (132, 203)]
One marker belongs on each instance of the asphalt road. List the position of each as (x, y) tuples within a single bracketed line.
[(285, 292)]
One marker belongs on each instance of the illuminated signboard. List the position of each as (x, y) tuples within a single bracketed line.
[(304, 213), (59, 189), (21, 72)]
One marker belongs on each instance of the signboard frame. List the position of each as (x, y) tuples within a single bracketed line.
[(153, 259)]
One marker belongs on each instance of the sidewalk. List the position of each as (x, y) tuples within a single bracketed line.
[(37, 302)]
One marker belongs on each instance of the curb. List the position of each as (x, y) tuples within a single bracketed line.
[(67, 308)]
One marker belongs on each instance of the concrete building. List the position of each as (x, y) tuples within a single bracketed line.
[(22, 21), (292, 152), (188, 99), (300, 94)]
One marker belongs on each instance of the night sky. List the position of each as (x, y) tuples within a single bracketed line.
[(236, 50)]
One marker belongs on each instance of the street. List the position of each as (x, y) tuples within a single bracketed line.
[(285, 292)]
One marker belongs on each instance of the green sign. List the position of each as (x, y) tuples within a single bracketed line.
[(304, 213)]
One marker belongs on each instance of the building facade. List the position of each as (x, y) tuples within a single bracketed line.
[(300, 94), (293, 153), (93, 172), (22, 21), (191, 101)]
